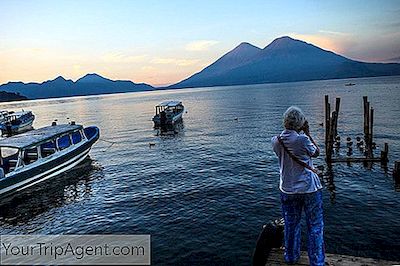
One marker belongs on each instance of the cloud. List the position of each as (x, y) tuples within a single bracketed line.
[(174, 61), (116, 57), (333, 32), (148, 68), (201, 45)]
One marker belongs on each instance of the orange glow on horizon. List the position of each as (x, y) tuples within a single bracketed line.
[(324, 42), (36, 65)]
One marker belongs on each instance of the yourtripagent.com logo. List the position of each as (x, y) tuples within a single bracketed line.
[(75, 249)]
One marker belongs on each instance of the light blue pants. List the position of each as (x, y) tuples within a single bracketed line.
[(292, 206)]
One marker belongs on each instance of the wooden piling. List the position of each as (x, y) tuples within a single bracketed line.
[(367, 122), (365, 100), (371, 126), (331, 121), (384, 154), (334, 125), (368, 145), (328, 130), (370, 117), (396, 171), (326, 119), (337, 107)]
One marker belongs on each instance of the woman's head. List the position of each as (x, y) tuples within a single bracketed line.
[(293, 118)]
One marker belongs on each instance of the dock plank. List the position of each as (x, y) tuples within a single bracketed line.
[(276, 258)]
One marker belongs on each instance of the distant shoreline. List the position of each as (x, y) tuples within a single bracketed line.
[(278, 82), (11, 97), (167, 88)]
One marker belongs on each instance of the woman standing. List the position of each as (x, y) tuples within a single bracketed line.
[(300, 187)]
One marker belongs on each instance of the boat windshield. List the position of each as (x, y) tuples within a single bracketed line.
[(8, 159), (6, 152)]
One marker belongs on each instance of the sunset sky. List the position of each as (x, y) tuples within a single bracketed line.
[(163, 42)]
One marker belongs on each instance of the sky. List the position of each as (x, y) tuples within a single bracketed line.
[(162, 42)]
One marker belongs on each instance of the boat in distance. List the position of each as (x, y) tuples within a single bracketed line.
[(12, 123), (32, 157), (168, 113)]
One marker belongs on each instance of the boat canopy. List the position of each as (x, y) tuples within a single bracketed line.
[(20, 113), (33, 137), (170, 103)]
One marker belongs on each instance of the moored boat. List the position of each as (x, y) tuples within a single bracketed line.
[(32, 157), (168, 113), (15, 122)]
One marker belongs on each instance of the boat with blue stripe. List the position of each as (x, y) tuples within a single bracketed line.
[(32, 157)]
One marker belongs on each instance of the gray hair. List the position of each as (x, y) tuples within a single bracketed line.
[(293, 118)]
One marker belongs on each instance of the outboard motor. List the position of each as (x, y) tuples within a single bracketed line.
[(9, 129), (163, 120), (270, 237)]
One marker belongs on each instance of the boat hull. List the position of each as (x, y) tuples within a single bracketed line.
[(46, 170), (171, 121)]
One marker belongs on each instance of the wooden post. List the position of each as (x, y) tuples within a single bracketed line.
[(330, 137), (337, 107), (371, 127), (366, 138), (367, 121), (326, 119), (329, 132), (396, 171), (334, 125), (384, 154), (365, 100)]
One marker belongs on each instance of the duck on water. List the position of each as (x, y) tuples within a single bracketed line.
[(32, 157)]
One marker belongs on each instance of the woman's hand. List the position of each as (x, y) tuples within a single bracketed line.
[(306, 128)]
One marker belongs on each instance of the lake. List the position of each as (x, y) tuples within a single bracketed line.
[(204, 193)]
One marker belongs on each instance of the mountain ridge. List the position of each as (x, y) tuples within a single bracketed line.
[(89, 84), (284, 60)]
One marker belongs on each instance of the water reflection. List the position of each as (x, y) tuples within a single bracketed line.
[(328, 178), (71, 186)]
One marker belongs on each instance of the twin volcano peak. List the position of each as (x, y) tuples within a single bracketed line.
[(283, 60), (281, 42), (286, 43)]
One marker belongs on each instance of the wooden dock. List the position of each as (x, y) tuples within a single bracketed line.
[(276, 258)]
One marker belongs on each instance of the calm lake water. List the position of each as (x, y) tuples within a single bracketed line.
[(204, 193)]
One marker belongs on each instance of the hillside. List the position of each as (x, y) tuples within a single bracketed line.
[(283, 60), (90, 84)]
